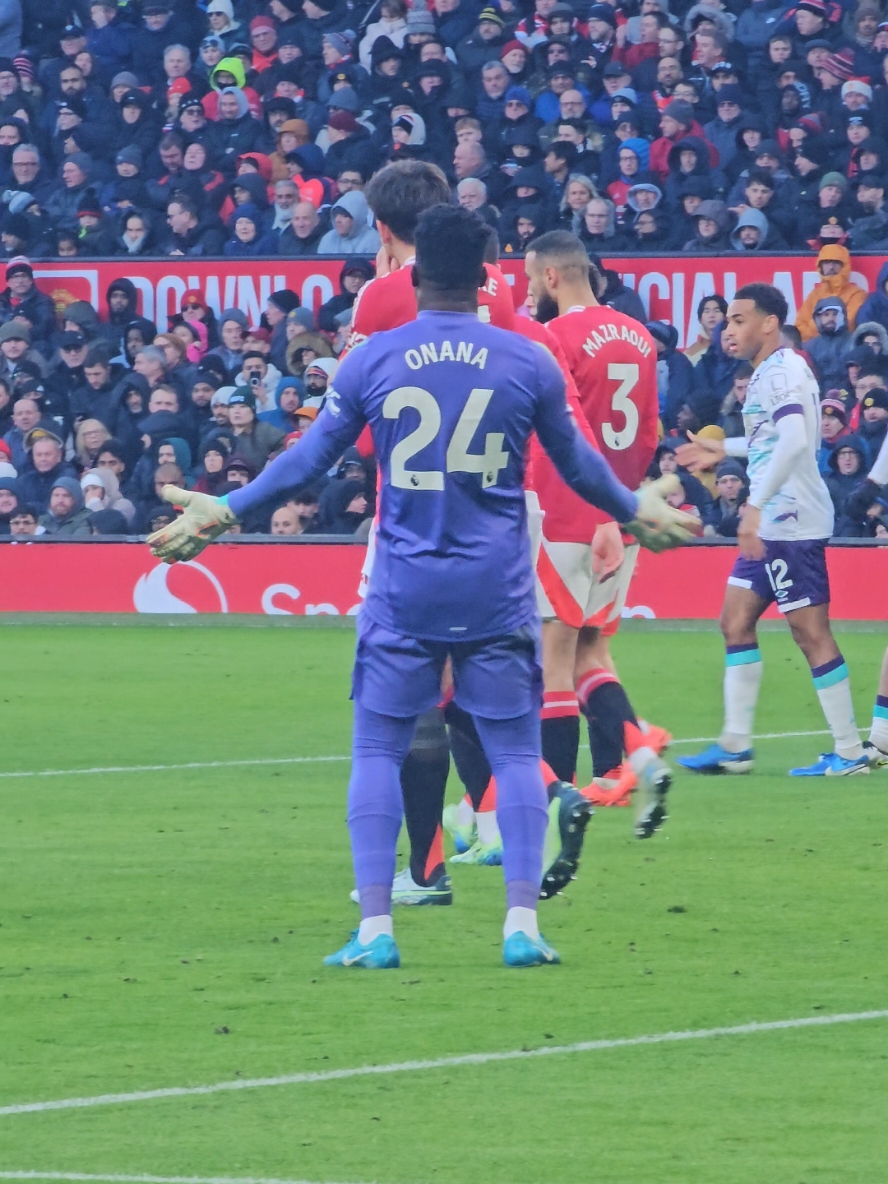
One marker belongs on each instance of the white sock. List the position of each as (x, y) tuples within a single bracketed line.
[(641, 757), (488, 830), (879, 730), (519, 920), (743, 677), (372, 927), (834, 692), (465, 815)]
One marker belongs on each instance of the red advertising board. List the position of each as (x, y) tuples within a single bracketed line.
[(297, 579), (670, 286)]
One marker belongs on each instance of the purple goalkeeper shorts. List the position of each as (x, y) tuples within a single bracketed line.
[(792, 575), (497, 678)]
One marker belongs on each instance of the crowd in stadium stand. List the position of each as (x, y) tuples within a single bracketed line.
[(246, 128)]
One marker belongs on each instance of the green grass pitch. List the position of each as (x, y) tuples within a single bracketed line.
[(166, 928)]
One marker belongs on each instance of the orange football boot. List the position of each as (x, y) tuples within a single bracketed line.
[(655, 737), (614, 789)]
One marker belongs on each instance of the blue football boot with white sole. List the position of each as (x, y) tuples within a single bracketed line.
[(716, 759), (379, 954), (481, 855), (521, 950), (833, 765), (464, 836)]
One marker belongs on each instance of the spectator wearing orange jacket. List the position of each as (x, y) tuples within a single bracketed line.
[(834, 265)]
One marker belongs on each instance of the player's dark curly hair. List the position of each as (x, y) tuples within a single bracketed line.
[(450, 247), (766, 298)]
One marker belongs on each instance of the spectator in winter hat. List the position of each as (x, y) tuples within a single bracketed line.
[(810, 22), (516, 58), (254, 440), (870, 232), (233, 326), (263, 37), (732, 488), (676, 122), (722, 131), (601, 23), (484, 43), (836, 70), (874, 420), (22, 296), (220, 15), (66, 515), (832, 202), (833, 425)]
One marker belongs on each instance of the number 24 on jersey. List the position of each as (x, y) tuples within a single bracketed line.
[(458, 458)]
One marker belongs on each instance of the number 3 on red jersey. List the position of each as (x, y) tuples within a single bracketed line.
[(617, 435)]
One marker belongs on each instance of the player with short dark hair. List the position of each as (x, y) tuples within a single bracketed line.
[(784, 528), (583, 569), (451, 403)]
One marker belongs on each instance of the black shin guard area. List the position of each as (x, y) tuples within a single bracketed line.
[(607, 709), (561, 741), (423, 784), (468, 753)]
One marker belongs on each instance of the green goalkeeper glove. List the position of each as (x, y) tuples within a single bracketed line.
[(659, 526), (204, 519)]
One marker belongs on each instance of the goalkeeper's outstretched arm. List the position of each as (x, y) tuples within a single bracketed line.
[(205, 518), (309, 458)]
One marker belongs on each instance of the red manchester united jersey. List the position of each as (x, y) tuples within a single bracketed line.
[(613, 360), (390, 301), (568, 519)]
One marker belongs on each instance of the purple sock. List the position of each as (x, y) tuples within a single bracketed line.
[(513, 749), (522, 894), (379, 746)]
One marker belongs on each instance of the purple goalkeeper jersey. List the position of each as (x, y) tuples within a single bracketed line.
[(451, 402)]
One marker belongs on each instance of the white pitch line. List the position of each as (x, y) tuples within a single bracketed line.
[(278, 760), (308, 760), (763, 736), (478, 1058), (83, 1176)]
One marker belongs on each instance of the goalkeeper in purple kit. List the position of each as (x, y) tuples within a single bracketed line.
[(451, 402)]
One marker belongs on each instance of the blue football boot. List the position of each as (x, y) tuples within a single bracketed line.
[(521, 950), (716, 759), (379, 954), (833, 765)]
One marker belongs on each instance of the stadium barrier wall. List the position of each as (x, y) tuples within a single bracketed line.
[(291, 577), (670, 286)]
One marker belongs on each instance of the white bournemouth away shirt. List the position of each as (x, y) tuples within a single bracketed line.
[(802, 508)]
